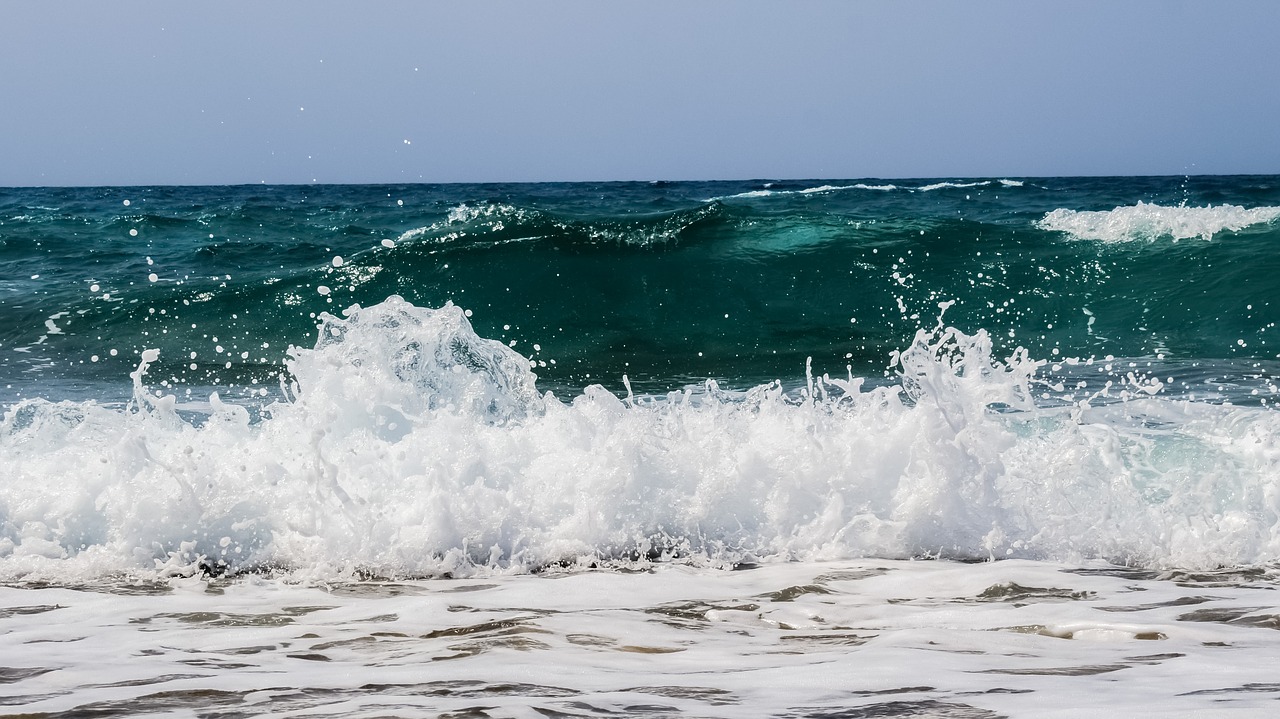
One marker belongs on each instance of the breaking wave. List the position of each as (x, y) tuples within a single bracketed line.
[(410, 446), (1149, 222)]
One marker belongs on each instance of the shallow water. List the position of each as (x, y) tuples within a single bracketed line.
[(816, 639)]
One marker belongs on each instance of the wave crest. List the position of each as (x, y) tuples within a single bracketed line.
[(1149, 222)]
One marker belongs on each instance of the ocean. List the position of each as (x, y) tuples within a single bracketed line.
[(950, 447)]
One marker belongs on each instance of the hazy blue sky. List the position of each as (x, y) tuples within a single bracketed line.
[(230, 92)]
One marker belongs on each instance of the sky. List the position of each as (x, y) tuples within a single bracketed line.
[(147, 92)]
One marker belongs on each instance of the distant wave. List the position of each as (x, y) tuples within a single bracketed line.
[(823, 189), (499, 222), (977, 183), (1147, 221), (943, 185), (496, 215)]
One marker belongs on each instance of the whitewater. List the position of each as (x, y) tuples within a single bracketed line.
[(962, 448)]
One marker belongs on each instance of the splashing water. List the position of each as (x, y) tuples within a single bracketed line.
[(413, 447)]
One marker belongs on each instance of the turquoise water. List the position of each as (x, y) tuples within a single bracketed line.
[(667, 283)]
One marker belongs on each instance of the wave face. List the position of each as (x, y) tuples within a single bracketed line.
[(423, 380)]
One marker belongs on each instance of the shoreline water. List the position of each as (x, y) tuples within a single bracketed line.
[(875, 637)]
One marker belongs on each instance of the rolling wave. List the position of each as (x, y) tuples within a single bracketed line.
[(492, 223)]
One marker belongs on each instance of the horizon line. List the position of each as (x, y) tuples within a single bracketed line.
[(264, 183)]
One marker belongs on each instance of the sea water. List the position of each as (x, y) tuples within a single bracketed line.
[(938, 447)]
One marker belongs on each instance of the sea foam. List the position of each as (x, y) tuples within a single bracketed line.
[(1148, 222), (413, 447)]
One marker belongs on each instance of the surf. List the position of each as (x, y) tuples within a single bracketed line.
[(409, 446)]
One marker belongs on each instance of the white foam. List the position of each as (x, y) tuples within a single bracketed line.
[(746, 195), (453, 227), (1148, 222), (412, 446), (821, 189), (870, 638), (838, 188), (49, 325), (946, 184)]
